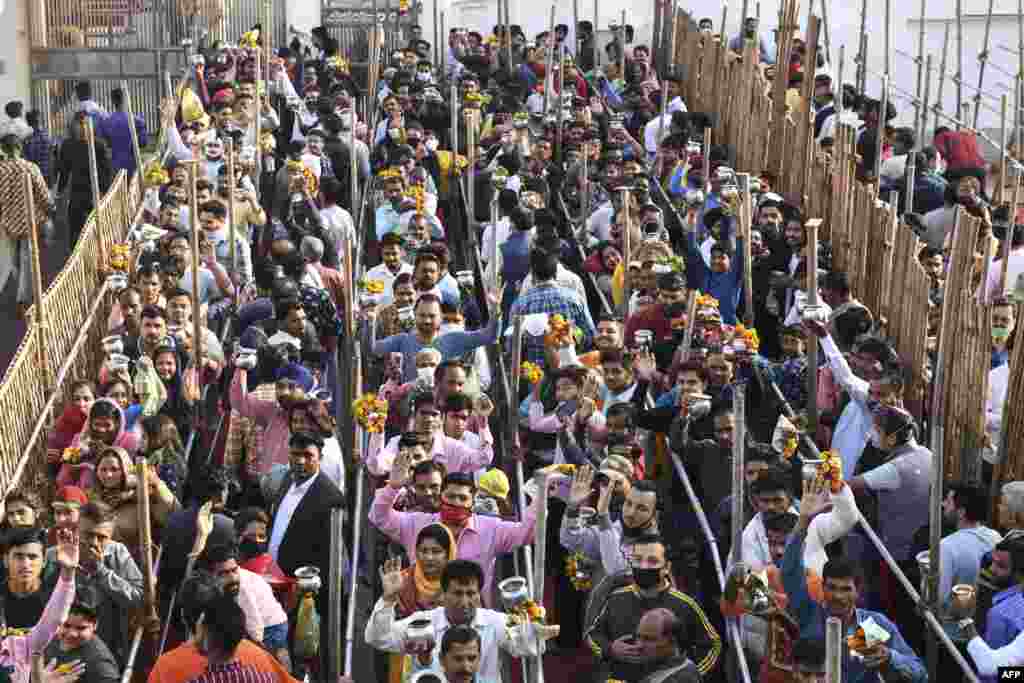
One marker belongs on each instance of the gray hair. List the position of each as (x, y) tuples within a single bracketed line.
[(1013, 492), (312, 249)]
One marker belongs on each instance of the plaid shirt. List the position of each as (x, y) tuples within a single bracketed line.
[(548, 297), (245, 437), (14, 218), (234, 672), (39, 150)]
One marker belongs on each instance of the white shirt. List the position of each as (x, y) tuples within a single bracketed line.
[(338, 222), (384, 633), (382, 273), (654, 126), (599, 224), (261, 608), (894, 167), (332, 465), (1014, 274), (998, 382), (289, 503), (988, 660), (487, 245)]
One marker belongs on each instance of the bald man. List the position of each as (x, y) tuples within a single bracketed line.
[(657, 637)]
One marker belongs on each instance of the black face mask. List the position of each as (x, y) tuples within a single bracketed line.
[(248, 548), (647, 579)]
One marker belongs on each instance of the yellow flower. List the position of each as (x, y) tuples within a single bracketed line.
[(375, 287), (371, 412), (71, 455), (531, 372)]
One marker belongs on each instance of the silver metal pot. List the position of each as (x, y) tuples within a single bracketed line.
[(514, 592)]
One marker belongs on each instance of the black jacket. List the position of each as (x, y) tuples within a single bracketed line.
[(306, 541)]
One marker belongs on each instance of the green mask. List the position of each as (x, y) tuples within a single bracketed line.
[(1000, 334)]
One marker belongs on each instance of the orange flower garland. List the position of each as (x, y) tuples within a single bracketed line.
[(831, 470), (559, 332), (371, 412)]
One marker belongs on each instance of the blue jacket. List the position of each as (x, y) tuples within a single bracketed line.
[(811, 616), (515, 258), (116, 129), (727, 286)]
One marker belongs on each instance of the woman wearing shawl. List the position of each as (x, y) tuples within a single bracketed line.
[(105, 427), (116, 486), (421, 583)]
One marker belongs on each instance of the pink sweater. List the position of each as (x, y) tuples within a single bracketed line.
[(17, 650)]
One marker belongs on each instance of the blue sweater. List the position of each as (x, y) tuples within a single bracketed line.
[(727, 286), (451, 345), (812, 615)]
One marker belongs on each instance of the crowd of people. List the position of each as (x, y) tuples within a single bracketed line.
[(570, 231)]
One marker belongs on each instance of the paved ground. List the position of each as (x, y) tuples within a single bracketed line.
[(13, 329)]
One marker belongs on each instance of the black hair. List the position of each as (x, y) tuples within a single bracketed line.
[(462, 571), (460, 479), (249, 515), (458, 635), (83, 90), (211, 482), (23, 536), (305, 440), (283, 308), (625, 410), (972, 499), (218, 554), (810, 652), (332, 190), (779, 522), (457, 402), (14, 109), (771, 481), (428, 467), (836, 281), (225, 623), (841, 568), (437, 533), (645, 486), (522, 218), (543, 265)]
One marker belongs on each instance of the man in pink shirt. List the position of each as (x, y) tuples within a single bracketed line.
[(477, 538), (454, 454)]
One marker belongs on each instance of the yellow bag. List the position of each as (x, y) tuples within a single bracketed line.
[(191, 107), (307, 629)]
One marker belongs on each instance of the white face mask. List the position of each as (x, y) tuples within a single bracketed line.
[(431, 144), (425, 375), (452, 327)]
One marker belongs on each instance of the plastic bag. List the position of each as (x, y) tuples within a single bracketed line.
[(191, 107), (148, 386), (307, 629)]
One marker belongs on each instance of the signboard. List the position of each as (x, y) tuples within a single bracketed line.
[(357, 12)]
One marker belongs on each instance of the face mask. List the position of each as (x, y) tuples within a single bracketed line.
[(250, 548), (646, 579), (452, 327), (432, 144), (1000, 334), (453, 514), (423, 77), (425, 375)]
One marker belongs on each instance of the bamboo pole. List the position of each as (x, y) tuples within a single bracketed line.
[(443, 51), (828, 35), (152, 619), (923, 109), (746, 220), (1018, 118), (657, 39), (622, 52), (627, 244), (229, 153), (94, 177), (883, 109), (1004, 265), (862, 47), (1000, 191), (549, 75), (540, 545), (136, 150), (920, 108), (942, 76), (194, 217), (959, 58), (812, 227), (39, 318), (593, 42), (739, 408), (888, 37), (982, 61)]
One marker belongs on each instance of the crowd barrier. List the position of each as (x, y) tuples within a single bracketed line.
[(869, 243), (62, 342)]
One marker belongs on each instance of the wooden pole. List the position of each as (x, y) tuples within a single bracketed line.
[(549, 76), (1018, 113), (834, 650), (1000, 191), (136, 150), (443, 51), (812, 227), (622, 52), (882, 110), (437, 40), (39, 321), (194, 216), (229, 152), (919, 107), (146, 543), (746, 219), (942, 75), (540, 545), (1004, 264), (94, 176), (657, 39), (888, 37), (725, 16), (593, 42), (828, 35), (982, 60), (627, 239), (862, 47), (923, 109), (739, 408), (959, 58)]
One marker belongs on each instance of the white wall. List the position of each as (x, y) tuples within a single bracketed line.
[(15, 81)]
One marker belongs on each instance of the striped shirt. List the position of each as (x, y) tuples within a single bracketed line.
[(234, 672), (14, 217)]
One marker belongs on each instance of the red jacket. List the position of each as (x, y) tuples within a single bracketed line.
[(960, 150)]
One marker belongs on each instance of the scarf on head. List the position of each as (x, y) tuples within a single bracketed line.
[(418, 591)]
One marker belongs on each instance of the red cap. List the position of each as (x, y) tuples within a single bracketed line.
[(71, 494)]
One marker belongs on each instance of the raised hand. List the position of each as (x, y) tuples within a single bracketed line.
[(582, 481), (54, 672), (816, 499), (391, 578), (204, 527), (67, 550), (604, 498), (400, 470)]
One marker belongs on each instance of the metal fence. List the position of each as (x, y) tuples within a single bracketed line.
[(55, 99)]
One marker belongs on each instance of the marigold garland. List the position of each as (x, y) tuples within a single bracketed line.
[(71, 455), (371, 412), (748, 336), (560, 332), (789, 448), (155, 175), (371, 286), (119, 255), (531, 372), (831, 470), (527, 613), (581, 581)]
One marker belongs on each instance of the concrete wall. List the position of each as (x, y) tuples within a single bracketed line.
[(15, 79)]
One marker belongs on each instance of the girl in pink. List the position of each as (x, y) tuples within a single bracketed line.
[(16, 651), (105, 427)]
